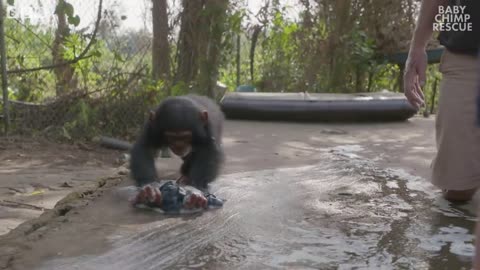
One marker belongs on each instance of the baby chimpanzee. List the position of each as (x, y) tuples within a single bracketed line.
[(191, 126)]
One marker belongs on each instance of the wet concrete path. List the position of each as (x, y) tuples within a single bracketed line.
[(346, 209), (342, 214)]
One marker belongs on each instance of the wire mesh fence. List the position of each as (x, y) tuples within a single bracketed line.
[(81, 68), (78, 68)]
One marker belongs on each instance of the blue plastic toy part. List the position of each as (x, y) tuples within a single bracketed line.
[(175, 196)]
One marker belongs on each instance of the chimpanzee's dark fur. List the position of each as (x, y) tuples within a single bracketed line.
[(202, 165)]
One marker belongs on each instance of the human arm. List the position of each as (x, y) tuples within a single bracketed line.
[(416, 64)]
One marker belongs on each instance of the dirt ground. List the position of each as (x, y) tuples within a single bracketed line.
[(35, 176)]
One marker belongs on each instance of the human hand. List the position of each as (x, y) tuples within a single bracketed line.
[(414, 77)]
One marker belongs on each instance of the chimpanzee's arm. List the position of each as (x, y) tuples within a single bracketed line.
[(142, 163), (204, 165)]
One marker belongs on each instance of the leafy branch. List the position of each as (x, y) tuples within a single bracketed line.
[(32, 32), (81, 56)]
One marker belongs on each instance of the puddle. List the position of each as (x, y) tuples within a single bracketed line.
[(344, 213)]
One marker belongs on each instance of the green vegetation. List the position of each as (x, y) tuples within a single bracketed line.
[(332, 46)]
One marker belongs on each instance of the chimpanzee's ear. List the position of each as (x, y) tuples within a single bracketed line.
[(151, 116), (204, 117)]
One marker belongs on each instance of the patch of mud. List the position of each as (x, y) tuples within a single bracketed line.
[(345, 213)]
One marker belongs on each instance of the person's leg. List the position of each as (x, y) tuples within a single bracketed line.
[(476, 259), (456, 167)]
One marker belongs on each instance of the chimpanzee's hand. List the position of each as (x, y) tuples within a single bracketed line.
[(148, 195), (415, 76), (196, 201), (183, 181)]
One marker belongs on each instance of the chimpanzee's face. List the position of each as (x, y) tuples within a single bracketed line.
[(180, 142)]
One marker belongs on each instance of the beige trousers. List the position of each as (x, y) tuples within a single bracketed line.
[(457, 163)]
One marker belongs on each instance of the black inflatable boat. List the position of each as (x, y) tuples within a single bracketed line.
[(379, 106)]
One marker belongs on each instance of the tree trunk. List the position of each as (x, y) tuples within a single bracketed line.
[(200, 43), (238, 58), (312, 59), (257, 29), (341, 27), (160, 48), (188, 47), (209, 61), (64, 74)]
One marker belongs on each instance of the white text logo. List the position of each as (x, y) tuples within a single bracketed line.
[(452, 18)]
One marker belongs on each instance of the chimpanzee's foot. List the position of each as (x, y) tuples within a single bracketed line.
[(459, 196), (148, 195)]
